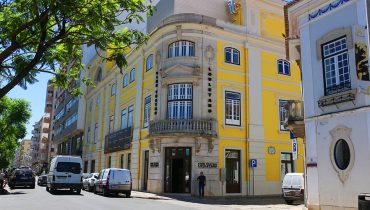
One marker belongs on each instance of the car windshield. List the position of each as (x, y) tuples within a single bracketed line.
[(69, 167), (24, 173)]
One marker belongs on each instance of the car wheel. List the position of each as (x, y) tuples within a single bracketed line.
[(128, 194), (90, 189), (105, 192), (78, 191), (47, 188), (52, 190), (33, 186), (289, 202), (95, 192)]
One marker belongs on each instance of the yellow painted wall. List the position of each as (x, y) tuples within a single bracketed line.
[(272, 26)]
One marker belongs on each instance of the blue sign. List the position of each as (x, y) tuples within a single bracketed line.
[(292, 135), (253, 163)]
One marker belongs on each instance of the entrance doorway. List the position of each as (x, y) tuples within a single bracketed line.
[(233, 179), (177, 172), (286, 164), (146, 169)]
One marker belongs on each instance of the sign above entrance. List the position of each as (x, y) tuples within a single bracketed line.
[(253, 163), (207, 165), (154, 164)]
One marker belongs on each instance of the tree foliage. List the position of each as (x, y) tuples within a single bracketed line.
[(14, 114), (47, 35)]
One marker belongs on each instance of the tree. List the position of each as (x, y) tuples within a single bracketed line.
[(47, 35), (14, 114)]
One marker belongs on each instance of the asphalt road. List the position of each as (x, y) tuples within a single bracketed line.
[(39, 199)]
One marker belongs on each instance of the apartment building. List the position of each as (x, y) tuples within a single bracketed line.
[(206, 93), (330, 41), (23, 154), (40, 142)]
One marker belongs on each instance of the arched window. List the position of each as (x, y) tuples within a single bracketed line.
[(98, 75), (125, 80), (149, 62), (132, 75), (232, 56), (181, 48), (283, 67)]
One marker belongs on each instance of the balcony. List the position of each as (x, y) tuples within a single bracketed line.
[(294, 119), (45, 130), (206, 128), (117, 141), (47, 120)]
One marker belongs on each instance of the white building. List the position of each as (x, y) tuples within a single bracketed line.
[(329, 39)]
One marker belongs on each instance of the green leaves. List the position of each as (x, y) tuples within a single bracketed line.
[(14, 114), (46, 36)]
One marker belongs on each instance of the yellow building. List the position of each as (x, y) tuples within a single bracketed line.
[(207, 93)]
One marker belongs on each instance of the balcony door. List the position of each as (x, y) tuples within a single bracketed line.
[(180, 101)]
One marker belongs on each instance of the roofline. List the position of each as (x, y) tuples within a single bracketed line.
[(292, 3)]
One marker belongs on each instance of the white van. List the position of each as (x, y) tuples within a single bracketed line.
[(293, 187), (114, 180), (65, 173)]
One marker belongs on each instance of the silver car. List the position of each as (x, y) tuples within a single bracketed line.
[(114, 180), (89, 182)]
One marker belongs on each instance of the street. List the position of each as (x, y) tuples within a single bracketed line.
[(39, 199)]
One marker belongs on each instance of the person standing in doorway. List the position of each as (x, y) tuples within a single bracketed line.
[(202, 182)]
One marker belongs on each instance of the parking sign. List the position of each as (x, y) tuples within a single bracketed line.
[(294, 148), (253, 163)]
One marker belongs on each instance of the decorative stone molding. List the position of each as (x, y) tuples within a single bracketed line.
[(210, 53), (179, 32), (151, 145), (342, 132), (158, 145), (197, 144), (210, 145), (158, 58)]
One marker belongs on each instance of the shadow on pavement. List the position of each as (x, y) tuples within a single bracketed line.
[(65, 192), (257, 200), (5, 192)]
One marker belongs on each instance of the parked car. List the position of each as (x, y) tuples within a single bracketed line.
[(22, 177), (293, 187), (89, 183), (41, 181), (114, 180), (65, 173)]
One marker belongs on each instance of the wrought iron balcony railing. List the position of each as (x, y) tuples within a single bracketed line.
[(119, 140), (181, 126)]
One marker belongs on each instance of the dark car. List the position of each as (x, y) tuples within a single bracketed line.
[(22, 177), (41, 181)]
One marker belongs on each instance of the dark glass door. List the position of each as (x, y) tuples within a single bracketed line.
[(177, 172), (146, 169), (233, 179)]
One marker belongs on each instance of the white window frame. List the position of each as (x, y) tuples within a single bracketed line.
[(233, 52), (180, 101), (181, 48), (147, 111), (282, 114), (149, 62), (124, 118), (331, 52), (285, 66), (125, 80), (132, 75), (130, 116), (233, 118)]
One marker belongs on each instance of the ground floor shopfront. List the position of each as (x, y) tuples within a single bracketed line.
[(172, 165)]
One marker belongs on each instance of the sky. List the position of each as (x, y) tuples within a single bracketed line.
[(36, 95)]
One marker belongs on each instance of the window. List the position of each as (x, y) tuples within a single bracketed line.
[(71, 120), (132, 75), (69, 167), (232, 56), (121, 160), (113, 90), (283, 67), (232, 109), (147, 110), (60, 114), (98, 75), (181, 48), (109, 161), (129, 161), (282, 114), (336, 67), (180, 101), (123, 118), (149, 62), (125, 80), (86, 164), (130, 120), (71, 103), (92, 169), (111, 121), (88, 134), (342, 154), (95, 132)]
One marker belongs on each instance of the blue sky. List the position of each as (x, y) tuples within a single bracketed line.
[(35, 94)]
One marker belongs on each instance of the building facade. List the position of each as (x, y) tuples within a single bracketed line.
[(330, 40), (207, 92), (23, 154), (68, 121), (40, 143)]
